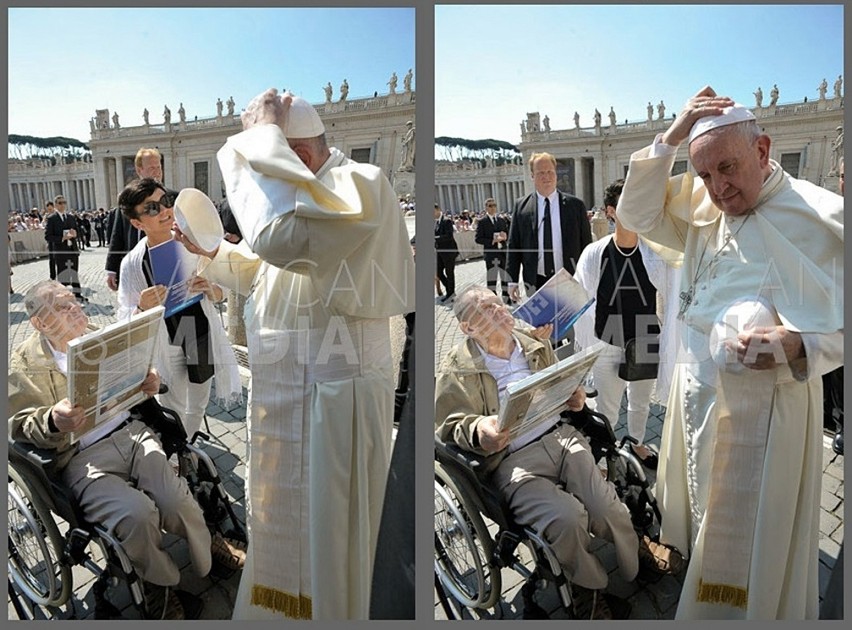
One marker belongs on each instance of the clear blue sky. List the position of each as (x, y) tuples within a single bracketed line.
[(493, 64), (65, 63)]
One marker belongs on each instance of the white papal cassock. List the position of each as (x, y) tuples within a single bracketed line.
[(325, 262), (759, 431)]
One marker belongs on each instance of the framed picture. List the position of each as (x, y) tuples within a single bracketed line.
[(106, 368)]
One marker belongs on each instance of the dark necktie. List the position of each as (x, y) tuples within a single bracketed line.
[(549, 267)]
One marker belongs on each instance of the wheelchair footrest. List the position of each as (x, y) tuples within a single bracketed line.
[(504, 549), (76, 542)]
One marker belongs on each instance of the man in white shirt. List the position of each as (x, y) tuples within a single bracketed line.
[(100, 466), (547, 476)]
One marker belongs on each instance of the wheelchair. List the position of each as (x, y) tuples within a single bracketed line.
[(468, 559), (41, 559)]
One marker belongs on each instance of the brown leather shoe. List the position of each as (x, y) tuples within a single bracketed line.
[(161, 602), (659, 558), (228, 552), (589, 604)]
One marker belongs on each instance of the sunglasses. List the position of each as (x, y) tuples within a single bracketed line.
[(153, 208)]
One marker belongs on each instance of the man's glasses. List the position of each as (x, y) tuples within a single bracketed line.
[(153, 208)]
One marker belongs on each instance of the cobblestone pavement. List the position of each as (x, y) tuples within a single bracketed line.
[(227, 443), (649, 600)]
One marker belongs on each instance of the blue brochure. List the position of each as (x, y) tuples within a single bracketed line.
[(560, 301), (173, 267)]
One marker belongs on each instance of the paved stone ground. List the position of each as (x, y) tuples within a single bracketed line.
[(227, 444), (649, 600)]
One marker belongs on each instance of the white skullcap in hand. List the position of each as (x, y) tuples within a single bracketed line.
[(736, 113), (303, 120), (738, 317)]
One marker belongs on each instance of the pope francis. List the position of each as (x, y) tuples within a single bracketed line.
[(760, 320), (325, 262)]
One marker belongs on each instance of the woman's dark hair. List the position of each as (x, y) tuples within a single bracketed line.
[(135, 193), (613, 192)]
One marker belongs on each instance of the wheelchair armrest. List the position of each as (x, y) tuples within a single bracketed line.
[(35, 456), (39, 466), (164, 421), (452, 453), (595, 427)]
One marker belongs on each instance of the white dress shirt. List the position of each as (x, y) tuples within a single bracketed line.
[(556, 230)]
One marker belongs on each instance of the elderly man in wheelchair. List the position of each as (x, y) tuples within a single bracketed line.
[(118, 471), (548, 476)]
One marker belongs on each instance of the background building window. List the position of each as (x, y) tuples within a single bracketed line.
[(790, 163), (201, 177), (361, 155)]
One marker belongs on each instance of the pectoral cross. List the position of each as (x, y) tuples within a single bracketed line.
[(685, 301)]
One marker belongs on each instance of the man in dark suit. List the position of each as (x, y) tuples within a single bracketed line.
[(51, 259), (124, 236), (492, 232), (447, 250), (541, 251), (60, 231)]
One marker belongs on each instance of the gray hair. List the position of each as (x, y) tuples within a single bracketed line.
[(467, 301), (40, 294)]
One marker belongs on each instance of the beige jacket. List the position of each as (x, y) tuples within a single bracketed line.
[(35, 385), (466, 392)]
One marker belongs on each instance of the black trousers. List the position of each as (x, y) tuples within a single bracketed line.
[(446, 270), (495, 268), (67, 270), (51, 259)]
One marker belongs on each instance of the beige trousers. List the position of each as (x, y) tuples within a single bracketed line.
[(125, 482), (567, 518)]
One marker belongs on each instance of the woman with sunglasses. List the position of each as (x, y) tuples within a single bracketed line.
[(193, 345)]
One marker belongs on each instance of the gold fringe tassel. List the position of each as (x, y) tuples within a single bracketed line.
[(722, 594), (293, 606)]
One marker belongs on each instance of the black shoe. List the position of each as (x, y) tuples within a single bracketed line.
[(650, 462), (837, 443)]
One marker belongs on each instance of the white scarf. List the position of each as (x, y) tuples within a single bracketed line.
[(227, 376)]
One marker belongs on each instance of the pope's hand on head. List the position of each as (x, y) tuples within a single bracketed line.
[(268, 108), (705, 103), (67, 418)]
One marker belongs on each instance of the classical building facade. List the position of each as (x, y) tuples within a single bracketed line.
[(32, 183), (807, 140), (365, 129)]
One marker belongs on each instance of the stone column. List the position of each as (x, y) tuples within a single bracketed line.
[(119, 177), (579, 178)]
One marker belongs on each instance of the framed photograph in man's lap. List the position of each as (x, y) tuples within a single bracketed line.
[(106, 367)]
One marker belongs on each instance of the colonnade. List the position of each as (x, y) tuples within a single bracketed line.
[(80, 193), (454, 198)]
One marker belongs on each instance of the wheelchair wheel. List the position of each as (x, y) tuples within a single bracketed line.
[(463, 548), (35, 547)]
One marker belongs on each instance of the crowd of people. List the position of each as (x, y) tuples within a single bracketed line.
[(92, 224), (718, 294), (321, 409)]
